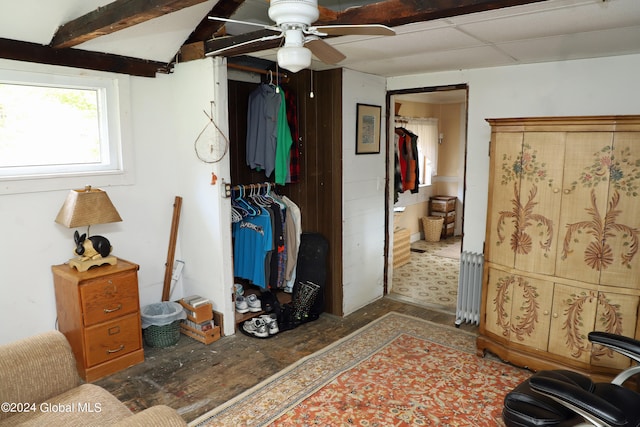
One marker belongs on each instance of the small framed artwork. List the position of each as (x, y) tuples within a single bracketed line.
[(368, 129)]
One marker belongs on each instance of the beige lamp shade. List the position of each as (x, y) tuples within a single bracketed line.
[(87, 206)]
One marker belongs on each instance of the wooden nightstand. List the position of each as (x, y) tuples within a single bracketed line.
[(99, 313)]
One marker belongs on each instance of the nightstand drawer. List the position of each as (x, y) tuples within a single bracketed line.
[(109, 298), (111, 340)]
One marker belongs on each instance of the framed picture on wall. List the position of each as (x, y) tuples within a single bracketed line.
[(368, 129)]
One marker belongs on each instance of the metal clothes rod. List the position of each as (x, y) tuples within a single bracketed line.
[(228, 188), (281, 76)]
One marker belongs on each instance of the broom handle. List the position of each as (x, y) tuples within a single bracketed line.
[(168, 272)]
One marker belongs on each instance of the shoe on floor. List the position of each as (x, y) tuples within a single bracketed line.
[(241, 304), (256, 327), (271, 321), (254, 303)]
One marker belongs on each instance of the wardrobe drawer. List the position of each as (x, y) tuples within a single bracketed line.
[(109, 298), (111, 340)]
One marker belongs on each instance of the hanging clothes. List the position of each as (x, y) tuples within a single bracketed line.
[(262, 128), (294, 153), (253, 241), (284, 142), (415, 165), (264, 237), (406, 151), (293, 233), (397, 182)]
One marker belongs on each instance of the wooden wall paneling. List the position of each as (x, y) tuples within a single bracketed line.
[(329, 148)]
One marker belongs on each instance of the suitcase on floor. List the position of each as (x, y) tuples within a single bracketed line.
[(311, 276)]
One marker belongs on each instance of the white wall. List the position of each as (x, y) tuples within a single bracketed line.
[(166, 116), (600, 86), (363, 196)]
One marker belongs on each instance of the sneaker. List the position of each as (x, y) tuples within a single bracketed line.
[(253, 303), (271, 321), (256, 327), (241, 304)]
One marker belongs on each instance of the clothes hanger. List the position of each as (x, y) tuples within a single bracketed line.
[(252, 209), (237, 211)]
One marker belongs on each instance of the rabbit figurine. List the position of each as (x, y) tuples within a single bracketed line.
[(94, 247)]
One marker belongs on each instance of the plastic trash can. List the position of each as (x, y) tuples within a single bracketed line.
[(161, 323)]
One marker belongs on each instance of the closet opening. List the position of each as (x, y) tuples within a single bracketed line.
[(427, 144), (309, 179)]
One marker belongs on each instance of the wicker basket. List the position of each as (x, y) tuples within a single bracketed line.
[(162, 336), (432, 228)]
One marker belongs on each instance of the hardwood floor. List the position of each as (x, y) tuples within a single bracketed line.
[(193, 378)]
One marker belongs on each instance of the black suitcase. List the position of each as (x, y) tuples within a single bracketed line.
[(311, 276)]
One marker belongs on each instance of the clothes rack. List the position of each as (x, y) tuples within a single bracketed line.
[(229, 189), (283, 77)]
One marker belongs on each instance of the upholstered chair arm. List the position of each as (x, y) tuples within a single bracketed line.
[(35, 369), (623, 345), (587, 404)]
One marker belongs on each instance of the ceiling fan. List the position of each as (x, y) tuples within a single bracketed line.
[(293, 20)]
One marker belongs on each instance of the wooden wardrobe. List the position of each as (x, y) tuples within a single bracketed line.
[(561, 246)]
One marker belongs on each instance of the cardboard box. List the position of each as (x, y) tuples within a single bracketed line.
[(205, 337), (198, 314)]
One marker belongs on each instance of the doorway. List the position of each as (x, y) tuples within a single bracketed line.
[(420, 271)]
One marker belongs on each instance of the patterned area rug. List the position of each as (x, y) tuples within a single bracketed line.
[(397, 370), (429, 278)]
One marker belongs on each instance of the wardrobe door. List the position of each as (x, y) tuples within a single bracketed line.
[(506, 152), (518, 309), (622, 228), (584, 206), (537, 207)]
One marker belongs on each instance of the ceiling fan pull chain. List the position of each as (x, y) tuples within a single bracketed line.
[(311, 95)]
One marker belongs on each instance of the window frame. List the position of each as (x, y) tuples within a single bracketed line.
[(115, 89)]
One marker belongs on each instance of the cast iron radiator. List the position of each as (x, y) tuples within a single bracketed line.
[(469, 288)]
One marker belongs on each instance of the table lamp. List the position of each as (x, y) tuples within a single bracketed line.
[(89, 206)]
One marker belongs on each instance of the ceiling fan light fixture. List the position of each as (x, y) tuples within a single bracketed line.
[(294, 58)]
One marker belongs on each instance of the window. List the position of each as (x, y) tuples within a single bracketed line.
[(427, 131), (54, 126)]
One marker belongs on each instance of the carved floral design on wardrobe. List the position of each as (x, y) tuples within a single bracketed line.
[(610, 320), (527, 320), (574, 326), (622, 174), (523, 215)]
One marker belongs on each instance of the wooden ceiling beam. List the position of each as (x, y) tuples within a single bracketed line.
[(114, 17), (33, 52), (207, 27), (400, 12), (228, 42)]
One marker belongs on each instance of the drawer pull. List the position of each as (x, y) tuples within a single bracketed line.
[(116, 350), (111, 310)]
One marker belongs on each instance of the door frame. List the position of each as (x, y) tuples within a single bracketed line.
[(390, 114)]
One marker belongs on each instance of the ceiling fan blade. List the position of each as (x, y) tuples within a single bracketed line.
[(235, 21), (344, 30), (324, 51), (248, 42)]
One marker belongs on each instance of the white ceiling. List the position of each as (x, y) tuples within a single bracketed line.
[(551, 30), (547, 31)]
